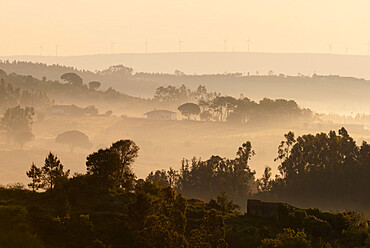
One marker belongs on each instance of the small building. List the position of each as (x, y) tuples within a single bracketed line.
[(161, 115)]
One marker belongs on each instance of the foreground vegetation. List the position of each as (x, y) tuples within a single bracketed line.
[(78, 214), (109, 207)]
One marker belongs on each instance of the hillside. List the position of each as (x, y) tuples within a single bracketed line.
[(344, 95), (217, 62)]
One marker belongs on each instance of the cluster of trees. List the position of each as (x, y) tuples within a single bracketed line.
[(11, 97), (212, 106), (242, 110), (47, 176), (17, 124), (111, 167), (207, 179), (173, 94), (326, 168), (122, 211)]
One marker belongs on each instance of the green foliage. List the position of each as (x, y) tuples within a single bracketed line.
[(109, 208), (287, 239), (104, 167), (317, 227), (158, 215), (223, 204), (19, 239)]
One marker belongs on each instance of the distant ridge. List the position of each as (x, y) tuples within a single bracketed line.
[(218, 62)]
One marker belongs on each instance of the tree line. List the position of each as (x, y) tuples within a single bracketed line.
[(327, 169), (211, 106)]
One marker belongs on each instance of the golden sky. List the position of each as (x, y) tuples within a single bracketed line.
[(89, 26)]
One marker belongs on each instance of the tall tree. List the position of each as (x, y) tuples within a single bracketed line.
[(52, 170), (127, 151), (35, 174)]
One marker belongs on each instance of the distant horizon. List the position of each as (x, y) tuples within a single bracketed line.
[(215, 62), (186, 52)]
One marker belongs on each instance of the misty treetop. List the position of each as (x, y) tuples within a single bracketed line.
[(17, 124), (73, 139)]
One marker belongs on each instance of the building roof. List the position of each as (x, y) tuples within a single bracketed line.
[(160, 112)]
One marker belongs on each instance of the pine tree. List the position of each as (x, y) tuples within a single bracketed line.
[(51, 171), (35, 174)]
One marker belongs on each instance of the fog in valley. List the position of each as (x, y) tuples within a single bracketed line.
[(184, 124), (105, 114)]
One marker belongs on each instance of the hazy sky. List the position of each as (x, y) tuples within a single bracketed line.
[(88, 26)]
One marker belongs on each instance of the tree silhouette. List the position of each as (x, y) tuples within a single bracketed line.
[(72, 78), (94, 85), (111, 167), (189, 109), (52, 170), (35, 174), (73, 139), (104, 167), (264, 183), (127, 151)]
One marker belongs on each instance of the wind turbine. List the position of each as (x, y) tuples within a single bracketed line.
[(180, 44), (41, 49), (112, 46), (56, 50), (347, 49), (248, 43), (146, 46), (225, 46), (330, 47)]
